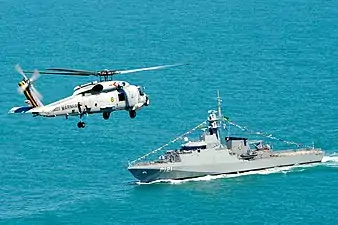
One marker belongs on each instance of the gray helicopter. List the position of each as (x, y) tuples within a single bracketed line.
[(104, 96)]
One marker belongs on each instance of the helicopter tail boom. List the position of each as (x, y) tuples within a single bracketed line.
[(33, 100)]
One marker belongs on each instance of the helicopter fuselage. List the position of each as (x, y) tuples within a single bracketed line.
[(96, 97)]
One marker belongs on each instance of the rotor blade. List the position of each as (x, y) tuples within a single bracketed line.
[(72, 70), (35, 76), (60, 73), (19, 70), (38, 94), (20, 90), (145, 69)]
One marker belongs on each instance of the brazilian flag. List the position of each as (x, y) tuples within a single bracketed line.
[(225, 118)]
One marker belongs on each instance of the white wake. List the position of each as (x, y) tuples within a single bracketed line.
[(330, 160)]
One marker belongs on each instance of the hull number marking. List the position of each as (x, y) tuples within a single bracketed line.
[(166, 169)]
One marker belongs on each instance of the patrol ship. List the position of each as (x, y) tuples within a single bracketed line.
[(214, 155)]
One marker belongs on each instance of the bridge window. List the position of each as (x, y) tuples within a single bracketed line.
[(193, 147)]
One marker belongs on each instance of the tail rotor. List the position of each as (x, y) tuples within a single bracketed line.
[(28, 82)]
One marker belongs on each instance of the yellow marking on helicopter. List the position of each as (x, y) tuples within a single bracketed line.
[(28, 95), (112, 99), (31, 99)]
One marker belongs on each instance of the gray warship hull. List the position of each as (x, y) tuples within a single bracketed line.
[(213, 155), (222, 164)]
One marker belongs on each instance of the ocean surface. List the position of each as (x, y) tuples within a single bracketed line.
[(275, 63)]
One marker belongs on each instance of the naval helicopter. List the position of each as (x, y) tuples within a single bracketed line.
[(103, 96)]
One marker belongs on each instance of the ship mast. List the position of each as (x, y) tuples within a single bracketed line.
[(219, 119), (219, 100)]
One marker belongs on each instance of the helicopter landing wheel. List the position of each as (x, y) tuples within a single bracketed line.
[(81, 124), (132, 114), (106, 115)]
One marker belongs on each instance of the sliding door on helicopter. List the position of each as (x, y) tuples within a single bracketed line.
[(128, 97), (132, 94)]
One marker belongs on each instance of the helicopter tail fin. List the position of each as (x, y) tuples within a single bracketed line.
[(32, 95)]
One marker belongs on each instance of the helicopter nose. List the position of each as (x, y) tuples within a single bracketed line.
[(147, 102)]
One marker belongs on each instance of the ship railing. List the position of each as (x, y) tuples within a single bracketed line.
[(146, 163), (302, 151), (169, 157)]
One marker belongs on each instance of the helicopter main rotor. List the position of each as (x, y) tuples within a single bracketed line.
[(106, 74)]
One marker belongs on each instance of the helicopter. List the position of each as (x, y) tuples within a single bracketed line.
[(104, 96)]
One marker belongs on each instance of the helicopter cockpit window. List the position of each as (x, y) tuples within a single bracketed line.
[(140, 90)]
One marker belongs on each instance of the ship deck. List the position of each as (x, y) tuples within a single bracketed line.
[(281, 153)]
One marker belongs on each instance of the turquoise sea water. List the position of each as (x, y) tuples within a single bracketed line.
[(274, 62)]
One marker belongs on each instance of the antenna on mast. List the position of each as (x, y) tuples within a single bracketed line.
[(219, 100)]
